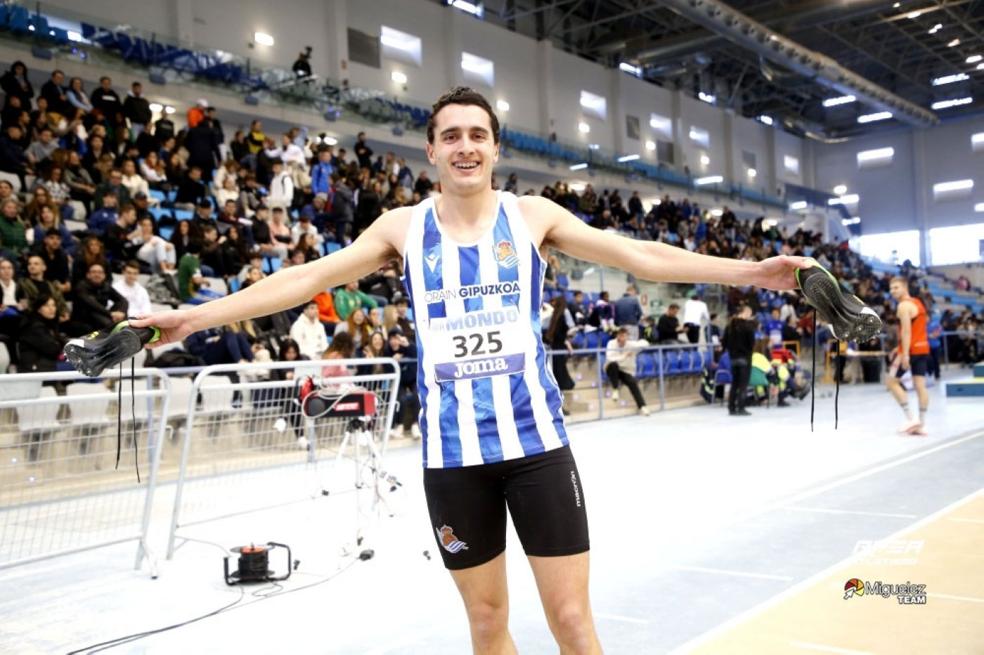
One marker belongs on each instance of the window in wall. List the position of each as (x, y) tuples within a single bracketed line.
[(700, 135), (477, 69), (977, 142), (875, 157), (661, 124), (956, 245), (664, 152), (952, 190), (791, 164), (363, 48), (891, 247), (400, 45), (632, 127), (594, 105)]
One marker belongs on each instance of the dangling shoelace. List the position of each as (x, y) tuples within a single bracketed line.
[(813, 378), (133, 418)]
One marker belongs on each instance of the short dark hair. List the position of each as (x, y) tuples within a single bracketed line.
[(673, 305), (132, 263), (622, 330), (462, 95)]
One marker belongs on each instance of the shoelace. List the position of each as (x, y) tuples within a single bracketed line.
[(813, 378), (133, 418)]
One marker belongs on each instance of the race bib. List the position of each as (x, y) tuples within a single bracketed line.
[(480, 344)]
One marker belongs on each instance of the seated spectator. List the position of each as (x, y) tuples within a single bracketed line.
[(34, 285), (59, 192), (774, 326), (41, 341), (42, 148), (97, 304), (13, 229), (228, 192), (77, 96), (10, 311), (400, 348), (349, 298), (204, 216), (153, 249), (80, 184), (620, 357), (402, 320), (308, 332), (279, 228), (220, 346), (192, 285), (341, 347), (602, 314), (118, 236), (326, 312), (263, 235), (304, 227), (113, 183), (132, 180), (55, 260), (372, 349), (668, 329), (106, 215), (13, 159), (192, 191), (358, 325), (184, 233), (235, 250), (152, 169), (137, 298)]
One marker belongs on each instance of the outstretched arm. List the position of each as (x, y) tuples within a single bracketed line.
[(291, 286), (651, 260)]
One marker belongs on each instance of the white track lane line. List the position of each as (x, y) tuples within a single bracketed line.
[(816, 577), (737, 574), (824, 510), (824, 648)]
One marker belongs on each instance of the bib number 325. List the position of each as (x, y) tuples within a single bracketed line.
[(477, 343)]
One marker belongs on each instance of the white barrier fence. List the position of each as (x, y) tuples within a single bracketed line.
[(59, 492), (241, 430)]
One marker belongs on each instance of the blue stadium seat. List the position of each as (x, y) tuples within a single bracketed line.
[(183, 214)]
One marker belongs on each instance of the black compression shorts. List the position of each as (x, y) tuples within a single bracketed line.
[(544, 495)]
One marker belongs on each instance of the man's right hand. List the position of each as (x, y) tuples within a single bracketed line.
[(174, 325), (904, 360)]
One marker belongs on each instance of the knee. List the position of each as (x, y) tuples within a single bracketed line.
[(488, 620), (572, 621)]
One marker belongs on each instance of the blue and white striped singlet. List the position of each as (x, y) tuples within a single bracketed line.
[(486, 391)]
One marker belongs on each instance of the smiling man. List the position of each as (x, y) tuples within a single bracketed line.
[(493, 431)]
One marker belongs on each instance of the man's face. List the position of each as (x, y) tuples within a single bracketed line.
[(36, 267), (6, 271), (130, 275), (105, 83), (57, 78), (137, 89), (109, 201), (745, 313), (195, 174), (52, 242), (463, 151), (311, 311), (897, 289), (621, 338), (401, 310), (205, 212), (45, 137), (211, 235), (673, 311), (230, 208), (116, 178), (352, 286), (129, 218)]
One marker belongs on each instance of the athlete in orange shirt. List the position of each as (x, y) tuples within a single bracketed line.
[(913, 354)]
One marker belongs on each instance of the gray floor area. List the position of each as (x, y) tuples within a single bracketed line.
[(695, 518)]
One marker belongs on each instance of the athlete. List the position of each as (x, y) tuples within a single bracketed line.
[(912, 355), (493, 430)]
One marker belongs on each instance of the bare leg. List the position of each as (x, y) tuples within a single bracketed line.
[(897, 390), (919, 382), (563, 585), (483, 589)]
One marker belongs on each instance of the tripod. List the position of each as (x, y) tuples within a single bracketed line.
[(367, 461)]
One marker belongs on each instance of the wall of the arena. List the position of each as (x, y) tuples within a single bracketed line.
[(898, 195)]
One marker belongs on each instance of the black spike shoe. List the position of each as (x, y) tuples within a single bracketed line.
[(849, 318), (92, 354)]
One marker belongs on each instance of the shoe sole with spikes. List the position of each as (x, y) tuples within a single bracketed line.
[(849, 318), (92, 354)]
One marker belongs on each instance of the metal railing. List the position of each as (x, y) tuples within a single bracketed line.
[(240, 427), (58, 490)]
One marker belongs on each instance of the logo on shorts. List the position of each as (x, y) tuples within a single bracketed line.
[(448, 541), (505, 254)]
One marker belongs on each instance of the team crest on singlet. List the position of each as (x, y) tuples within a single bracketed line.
[(505, 254), (450, 542)]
